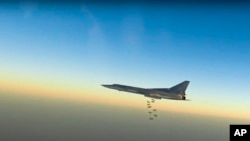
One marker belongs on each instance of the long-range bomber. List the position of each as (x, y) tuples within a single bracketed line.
[(177, 92)]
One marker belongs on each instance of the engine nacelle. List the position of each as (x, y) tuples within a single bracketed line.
[(156, 96), (182, 97)]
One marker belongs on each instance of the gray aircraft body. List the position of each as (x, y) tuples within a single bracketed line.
[(176, 92)]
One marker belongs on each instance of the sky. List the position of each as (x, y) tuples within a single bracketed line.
[(65, 52)]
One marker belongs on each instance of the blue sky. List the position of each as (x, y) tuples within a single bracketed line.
[(135, 45)]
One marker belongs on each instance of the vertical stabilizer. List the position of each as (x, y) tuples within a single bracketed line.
[(179, 88)]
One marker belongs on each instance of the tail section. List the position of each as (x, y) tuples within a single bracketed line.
[(180, 88)]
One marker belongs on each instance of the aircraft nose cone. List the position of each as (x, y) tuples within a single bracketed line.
[(107, 86)]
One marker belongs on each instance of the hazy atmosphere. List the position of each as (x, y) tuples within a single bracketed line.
[(54, 59)]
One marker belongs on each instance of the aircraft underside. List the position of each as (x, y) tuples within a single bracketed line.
[(173, 97)]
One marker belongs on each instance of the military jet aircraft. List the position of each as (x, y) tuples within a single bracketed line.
[(176, 92)]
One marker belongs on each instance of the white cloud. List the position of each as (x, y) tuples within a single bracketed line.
[(96, 47), (95, 35), (28, 9), (133, 31), (86, 11)]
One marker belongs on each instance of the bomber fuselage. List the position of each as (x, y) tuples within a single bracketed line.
[(153, 93)]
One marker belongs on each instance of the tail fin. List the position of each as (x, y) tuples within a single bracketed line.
[(180, 88)]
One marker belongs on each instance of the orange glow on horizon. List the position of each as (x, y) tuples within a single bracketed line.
[(88, 94)]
